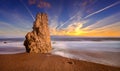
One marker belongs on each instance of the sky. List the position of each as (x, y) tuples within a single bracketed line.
[(90, 18)]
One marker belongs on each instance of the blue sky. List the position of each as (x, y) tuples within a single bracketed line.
[(74, 17)]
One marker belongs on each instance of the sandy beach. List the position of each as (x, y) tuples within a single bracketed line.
[(48, 62)]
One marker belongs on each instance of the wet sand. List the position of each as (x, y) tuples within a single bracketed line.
[(48, 62)]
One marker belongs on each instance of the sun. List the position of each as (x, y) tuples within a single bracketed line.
[(78, 31)]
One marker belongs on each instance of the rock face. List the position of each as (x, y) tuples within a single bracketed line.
[(38, 41)]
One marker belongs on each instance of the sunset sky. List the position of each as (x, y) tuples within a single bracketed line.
[(66, 17)]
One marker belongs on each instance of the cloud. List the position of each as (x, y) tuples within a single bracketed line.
[(105, 21), (15, 23), (72, 29), (40, 3), (43, 4), (28, 8), (77, 16), (9, 30), (4, 24), (86, 2), (31, 2), (16, 18), (107, 27), (109, 30), (78, 8), (113, 27), (116, 3)]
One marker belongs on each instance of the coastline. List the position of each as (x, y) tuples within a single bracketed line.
[(48, 62)]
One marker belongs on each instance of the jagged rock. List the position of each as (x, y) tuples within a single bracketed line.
[(38, 41)]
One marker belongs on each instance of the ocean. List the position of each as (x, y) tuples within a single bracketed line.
[(100, 50)]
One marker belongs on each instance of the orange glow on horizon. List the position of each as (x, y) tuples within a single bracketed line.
[(76, 30)]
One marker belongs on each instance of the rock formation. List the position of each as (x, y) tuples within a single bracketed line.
[(38, 41)]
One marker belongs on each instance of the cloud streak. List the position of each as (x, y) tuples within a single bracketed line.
[(114, 4), (43, 4), (19, 24), (40, 3), (28, 10), (104, 22), (31, 2), (79, 8), (71, 18), (108, 27), (7, 29), (72, 29), (109, 30)]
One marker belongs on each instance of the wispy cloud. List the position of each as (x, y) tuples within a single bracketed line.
[(6, 30), (114, 4), (15, 23), (72, 29), (43, 4), (28, 9), (104, 22), (16, 18), (3, 26), (40, 3), (108, 26), (79, 8), (109, 30), (72, 18), (87, 2), (31, 2), (113, 27)]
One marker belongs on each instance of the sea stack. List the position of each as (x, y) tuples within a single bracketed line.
[(38, 40)]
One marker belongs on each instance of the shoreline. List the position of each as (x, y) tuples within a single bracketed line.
[(48, 62)]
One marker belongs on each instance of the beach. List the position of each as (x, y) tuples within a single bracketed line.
[(80, 55), (48, 62)]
